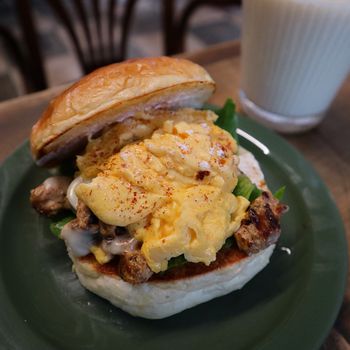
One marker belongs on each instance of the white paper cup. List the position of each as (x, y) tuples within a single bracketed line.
[(295, 56)]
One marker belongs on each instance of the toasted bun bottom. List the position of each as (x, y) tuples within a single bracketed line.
[(160, 299)]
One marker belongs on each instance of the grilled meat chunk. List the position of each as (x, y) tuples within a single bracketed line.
[(50, 197), (84, 215), (85, 220), (107, 231), (133, 267), (261, 225)]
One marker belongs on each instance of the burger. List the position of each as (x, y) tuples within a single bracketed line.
[(163, 209)]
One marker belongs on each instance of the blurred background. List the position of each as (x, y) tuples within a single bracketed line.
[(44, 43)]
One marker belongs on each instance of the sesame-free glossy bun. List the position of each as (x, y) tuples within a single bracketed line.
[(111, 94)]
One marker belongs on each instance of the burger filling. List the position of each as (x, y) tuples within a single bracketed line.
[(160, 187)]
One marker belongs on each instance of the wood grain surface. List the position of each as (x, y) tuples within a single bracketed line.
[(327, 147)]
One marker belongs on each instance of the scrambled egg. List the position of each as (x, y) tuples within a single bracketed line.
[(141, 126), (172, 190), (100, 254)]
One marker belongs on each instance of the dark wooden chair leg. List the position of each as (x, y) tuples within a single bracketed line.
[(126, 24), (34, 63), (28, 56), (168, 19), (91, 53), (14, 51)]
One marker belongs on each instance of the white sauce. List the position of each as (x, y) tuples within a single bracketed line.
[(72, 197), (119, 245), (55, 182), (203, 165), (220, 153), (77, 240), (182, 146)]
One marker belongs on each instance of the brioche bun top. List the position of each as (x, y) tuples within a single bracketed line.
[(111, 94)]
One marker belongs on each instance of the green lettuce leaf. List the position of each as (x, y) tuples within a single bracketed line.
[(227, 117), (228, 243), (255, 193), (57, 226), (279, 193), (176, 262), (246, 188)]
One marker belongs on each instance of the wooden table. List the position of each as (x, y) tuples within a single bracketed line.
[(327, 147)]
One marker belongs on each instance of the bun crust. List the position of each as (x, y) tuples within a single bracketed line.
[(113, 93), (158, 299)]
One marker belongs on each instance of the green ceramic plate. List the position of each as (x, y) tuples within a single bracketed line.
[(292, 304)]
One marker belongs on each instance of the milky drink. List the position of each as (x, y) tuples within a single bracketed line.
[(295, 55)]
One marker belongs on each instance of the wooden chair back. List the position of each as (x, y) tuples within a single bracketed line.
[(91, 28), (175, 25), (24, 49)]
